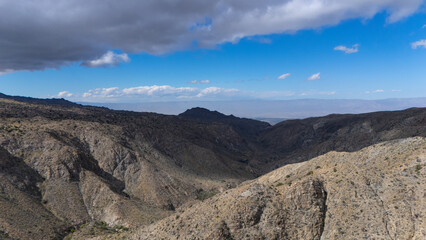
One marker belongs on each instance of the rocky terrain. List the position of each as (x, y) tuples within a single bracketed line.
[(374, 193), (67, 168)]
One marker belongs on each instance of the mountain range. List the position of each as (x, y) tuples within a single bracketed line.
[(274, 111), (78, 172)]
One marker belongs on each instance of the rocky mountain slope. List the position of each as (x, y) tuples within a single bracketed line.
[(63, 165), (299, 140), (374, 193)]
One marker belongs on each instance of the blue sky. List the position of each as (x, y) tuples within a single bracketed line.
[(381, 63)]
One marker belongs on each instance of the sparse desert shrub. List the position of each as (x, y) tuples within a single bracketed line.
[(101, 224), (203, 195), (418, 168)]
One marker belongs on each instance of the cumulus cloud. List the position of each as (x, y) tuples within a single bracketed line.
[(64, 94), (160, 91), (164, 92), (199, 81), (103, 93), (314, 77), (347, 50), (284, 76), (420, 43), (58, 33), (109, 59), (216, 91)]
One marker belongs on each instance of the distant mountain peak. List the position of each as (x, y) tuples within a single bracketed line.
[(203, 113), (245, 126)]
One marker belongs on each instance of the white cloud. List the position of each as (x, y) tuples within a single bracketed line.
[(169, 93), (347, 50), (102, 93), (396, 90), (424, 26), (420, 43), (109, 59), (154, 93), (6, 71), (199, 81), (64, 94), (216, 91), (159, 91), (284, 76), (375, 91), (314, 77)]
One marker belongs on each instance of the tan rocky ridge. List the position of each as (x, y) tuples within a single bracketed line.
[(63, 165), (375, 193)]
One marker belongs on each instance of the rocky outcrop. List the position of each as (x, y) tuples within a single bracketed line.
[(376, 192), (22, 214), (254, 211)]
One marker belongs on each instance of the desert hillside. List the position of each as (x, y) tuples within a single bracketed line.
[(374, 193), (63, 165)]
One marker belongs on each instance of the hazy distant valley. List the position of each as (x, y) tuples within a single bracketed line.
[(274, 111)]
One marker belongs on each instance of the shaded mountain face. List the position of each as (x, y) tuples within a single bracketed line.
[(299, 140), (248, 128), (72, 164)]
